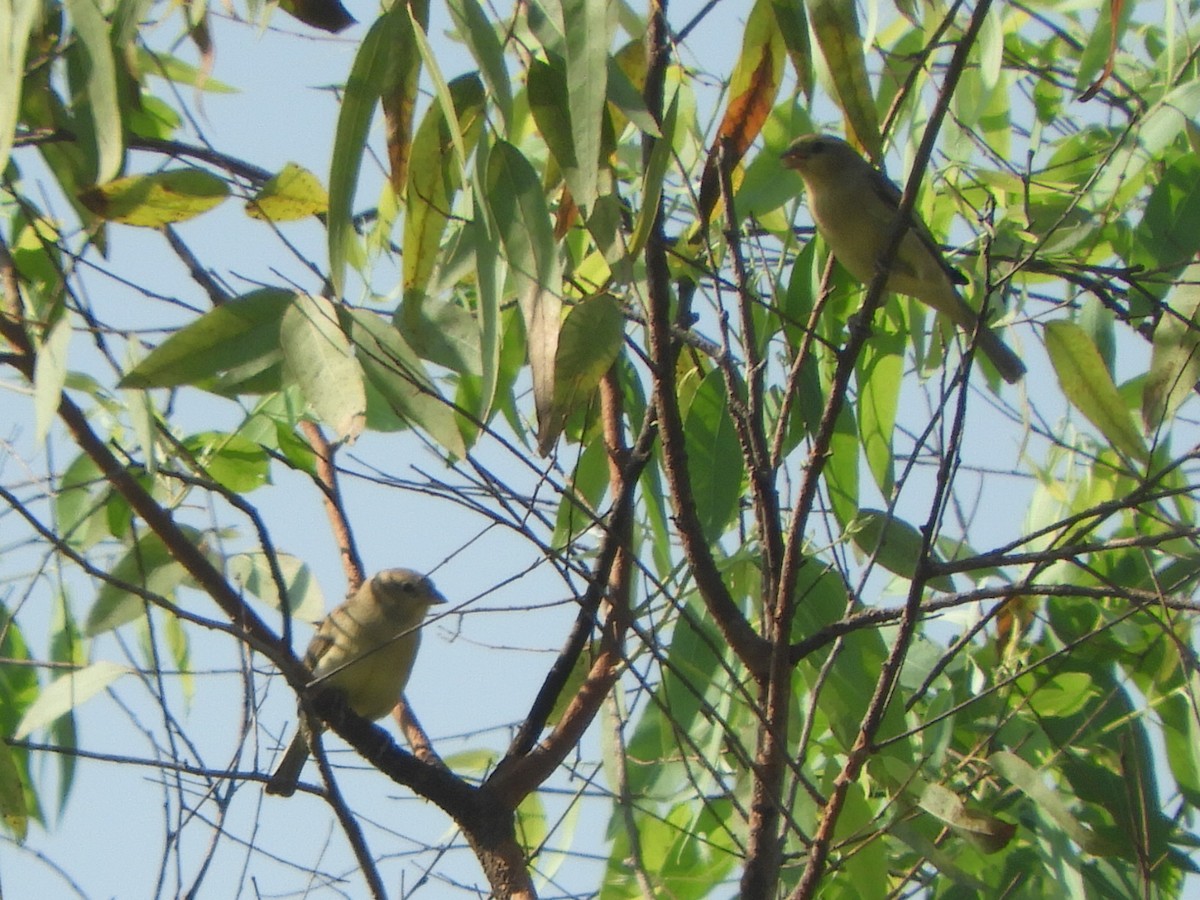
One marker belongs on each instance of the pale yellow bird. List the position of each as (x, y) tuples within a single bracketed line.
[(364, 648), (854, 206)]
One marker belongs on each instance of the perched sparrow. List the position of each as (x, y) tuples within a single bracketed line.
[(854, 206), (365, 648)]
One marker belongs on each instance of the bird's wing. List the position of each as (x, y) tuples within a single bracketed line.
[(890, 194)]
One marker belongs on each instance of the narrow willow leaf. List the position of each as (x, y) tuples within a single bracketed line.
[(752, 91), (151, 201), (103, 108), (1087, 384), (441, 89), (17, 18), (652, 178), (294, 194), (1049, 800), (49, 376), (317, 357), (835, 24), (895, 545), (477, 30), (1175, 362), (364, 85), (433, 182), (880, 380), (66, 693), (232, 335), (514, 196), (714, 456), (589, 35)]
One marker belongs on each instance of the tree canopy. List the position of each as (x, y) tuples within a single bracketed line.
[(761, 581)]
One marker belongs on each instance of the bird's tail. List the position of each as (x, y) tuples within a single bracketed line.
[(1006, 361)]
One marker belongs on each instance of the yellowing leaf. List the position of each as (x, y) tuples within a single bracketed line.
[(293, 194), (836, 26), (151, 201)]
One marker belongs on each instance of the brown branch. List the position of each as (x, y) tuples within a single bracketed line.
[(327, 481), (748, 645), (525, 766)]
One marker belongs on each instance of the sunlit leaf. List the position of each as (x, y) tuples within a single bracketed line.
[(1086, 382), (295, 193), (162, 198)]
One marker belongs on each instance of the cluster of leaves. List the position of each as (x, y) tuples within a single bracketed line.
[(1014, 749)]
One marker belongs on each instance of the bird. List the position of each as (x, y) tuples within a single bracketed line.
[(365, 648), (853, 206)]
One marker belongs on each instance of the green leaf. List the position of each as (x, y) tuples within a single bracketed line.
[(148, 564), (588, 38), (880, 371), (252, 571), (294, 194), (433, 181), (318, 358), (16, 22), (1175, 362), (990, 833), (364, 85), (13, 810), (151, 201), (236, 463), (66, 693), (100, 71), (1087, 384), (587, 347), (652, 178), (234, 334), (396, 372), (514, 198), (835, 25), (477, 30), (895, 545), (714, 456), (50, 376), (1048, 800), (328, 15)]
